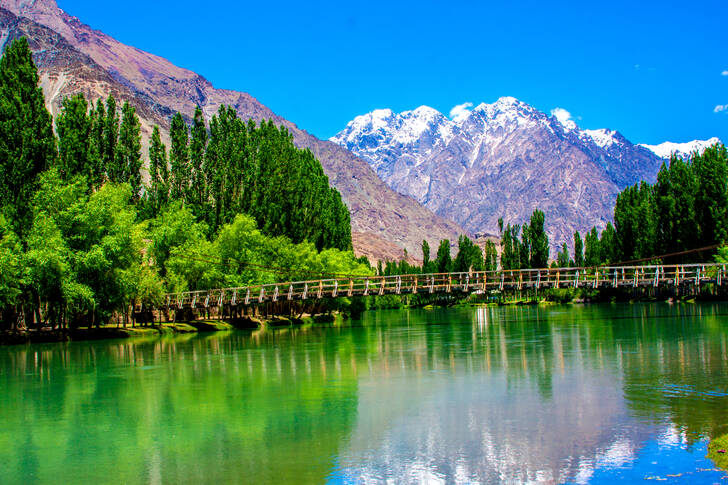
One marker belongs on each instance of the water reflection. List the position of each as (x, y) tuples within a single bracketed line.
[(549, 395)]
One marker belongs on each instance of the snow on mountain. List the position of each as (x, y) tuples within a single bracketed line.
[(602, 137), (682, 150), (501, 160)]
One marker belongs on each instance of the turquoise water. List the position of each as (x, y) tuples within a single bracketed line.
[(562, 394)]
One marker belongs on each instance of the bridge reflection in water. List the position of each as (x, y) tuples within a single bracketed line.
[(681, 276)]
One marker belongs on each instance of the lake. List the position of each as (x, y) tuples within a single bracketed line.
[(549, 394)]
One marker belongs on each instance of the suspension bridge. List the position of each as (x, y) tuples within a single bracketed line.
[(682, 277)]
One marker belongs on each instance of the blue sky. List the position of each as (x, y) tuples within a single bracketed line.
[(652, 70)]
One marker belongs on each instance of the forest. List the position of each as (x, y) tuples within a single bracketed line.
[(83, 233), (86, 230)]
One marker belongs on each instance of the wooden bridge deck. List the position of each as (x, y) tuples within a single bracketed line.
[(438, 283)]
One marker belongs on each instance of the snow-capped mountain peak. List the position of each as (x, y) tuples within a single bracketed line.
[(603, 137), (682, 150), (502, 159)]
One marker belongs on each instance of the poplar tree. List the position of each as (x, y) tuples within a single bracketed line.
[(27, 142), (538, 240), (711, 202), (198, 144), (578, 250), (443, 263), (593, 252), (129, 150), (562, 258), (158, 172), (469, 256), (114, 171), (97, 144), (425, 256), (491, 256), (179, 157), (73, 126)]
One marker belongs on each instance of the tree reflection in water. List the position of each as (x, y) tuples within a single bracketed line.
[(548, 394)]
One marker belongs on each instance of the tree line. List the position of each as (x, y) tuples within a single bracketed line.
[(673, 220), (83, 235)]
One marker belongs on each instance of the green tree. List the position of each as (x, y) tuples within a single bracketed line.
[(562, 258), (711, 201), (179, 157), (114, 170), (491, 256), (158, 173), (27, 142), (97, 144), (578, 250), (539, 240), (469, 256), (443, 262), (74, 126), (608, 248), (593, 253), (425, 256), (173, 227), (129, 150), (11, 275), (198, 144)]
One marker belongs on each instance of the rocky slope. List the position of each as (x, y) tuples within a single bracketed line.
[(72, 57), (501, 160)]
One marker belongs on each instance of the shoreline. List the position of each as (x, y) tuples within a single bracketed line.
[(25, 337), (109, 332)]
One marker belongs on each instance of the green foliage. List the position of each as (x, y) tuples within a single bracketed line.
[(562, 258), (85, 251), (538, 240), (257, 170), (129, 150), (578, 250), (11, 277), (73, 248), (198, 144), (27, 142), (593, 254), (426, 263), (74, 127), (687, 208), (608, 249), (114, 170), (469, 257), (711, 201), (173, 227), (158, 193), (510, 257), (490, 260), (443, 263), (179, 158)]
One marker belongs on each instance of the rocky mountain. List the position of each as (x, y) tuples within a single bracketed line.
[(501, 160), (72, 57), (683, 150)]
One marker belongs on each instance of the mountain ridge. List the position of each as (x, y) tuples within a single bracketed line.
[(503, 159)]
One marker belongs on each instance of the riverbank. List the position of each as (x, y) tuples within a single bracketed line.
[(21, 337)]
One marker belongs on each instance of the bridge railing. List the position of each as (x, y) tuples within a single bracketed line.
[(468, 282)]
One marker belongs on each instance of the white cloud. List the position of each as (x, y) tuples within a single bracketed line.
[(564, 118), (460, 112), (720, 107), (724, 73), (561, 114)]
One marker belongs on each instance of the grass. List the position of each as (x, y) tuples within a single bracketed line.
[(718, 451)]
